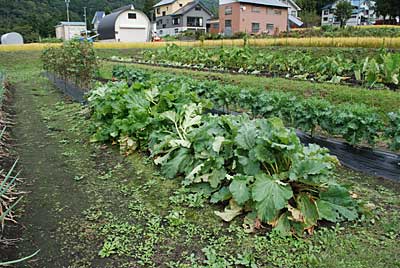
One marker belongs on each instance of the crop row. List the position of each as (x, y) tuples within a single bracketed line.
[(356, 123), (254, 166), (383, 69)]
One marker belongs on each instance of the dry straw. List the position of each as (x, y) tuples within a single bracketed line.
[(366, 42)]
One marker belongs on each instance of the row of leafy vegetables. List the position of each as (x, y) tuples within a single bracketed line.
[(255, 166), (373, 71), (356, 123)]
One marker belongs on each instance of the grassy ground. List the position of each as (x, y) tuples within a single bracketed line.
[(383, 100), (89, 206)]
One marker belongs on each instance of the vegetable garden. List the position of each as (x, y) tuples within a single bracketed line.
[(210, 173), (383, 69)]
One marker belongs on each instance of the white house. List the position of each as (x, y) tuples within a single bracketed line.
[(98, 16), (363, 13), (69, 30), (125, 24), (294, 19)]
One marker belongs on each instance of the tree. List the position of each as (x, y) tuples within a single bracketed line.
[(388, 8), (343, 12)]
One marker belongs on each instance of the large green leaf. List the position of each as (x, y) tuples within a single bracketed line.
[(271, 196), (174, 165), (239, 189), (336, 204), (246, 137), (308, 208)]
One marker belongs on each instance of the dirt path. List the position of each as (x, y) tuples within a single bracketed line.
[(53, 194)]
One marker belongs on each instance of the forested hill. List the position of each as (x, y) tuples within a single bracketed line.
[(34, 18)]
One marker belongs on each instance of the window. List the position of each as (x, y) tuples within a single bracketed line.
[(255, 27), (270, 11), (326, 12), (176, 30), (159, 22), (228, 23), (194, 21), (164, 26), (164, 13), (132, 16), (176, 21), (215, 25), (198, 8), (277, 12), (158, 10), (326, 19), (161, 31), (270, 27), (228, 10), (256, 9), (294, 13)]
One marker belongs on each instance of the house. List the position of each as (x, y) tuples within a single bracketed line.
[(363, 13), (98, 16), (125, 24), (177, 16), (69, 30), (213, 26), (12, 38), (253, 16), (294, 20)]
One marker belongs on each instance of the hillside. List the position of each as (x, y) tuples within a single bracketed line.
[(37, 18)]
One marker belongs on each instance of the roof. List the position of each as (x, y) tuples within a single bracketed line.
[(164, 2), (99, 15), (71, 23), (189, 6), (328, 6), (106, 27), (295, 5), (274, 3), (295, 20)]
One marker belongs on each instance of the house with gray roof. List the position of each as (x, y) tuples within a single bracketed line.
[(68, 30), (176, 16), (98, 16)]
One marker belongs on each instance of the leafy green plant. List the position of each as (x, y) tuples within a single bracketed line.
[(356, 123), (74, 61), (392, 132), (255, 165), (382, 69)]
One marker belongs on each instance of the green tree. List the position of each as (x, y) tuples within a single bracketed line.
[(343, 12)]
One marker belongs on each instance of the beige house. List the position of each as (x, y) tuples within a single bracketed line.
[(69, 30)]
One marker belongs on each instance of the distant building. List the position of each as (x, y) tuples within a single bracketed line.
[(98, 16), (213, 26), (177, 16), (12, 39), (253, 16), (294, 19), (363, 13), (69, 30), (125, 24)]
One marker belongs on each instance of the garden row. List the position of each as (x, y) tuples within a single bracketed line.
[(255, 166), (332, 31), (74, 61), (356, 123), (381, 70)]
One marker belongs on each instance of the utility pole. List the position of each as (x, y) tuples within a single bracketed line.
[(84, 15), (67, 4)]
